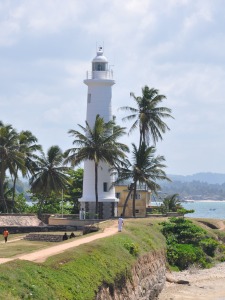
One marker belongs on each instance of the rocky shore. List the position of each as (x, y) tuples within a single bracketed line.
[(207, 284)]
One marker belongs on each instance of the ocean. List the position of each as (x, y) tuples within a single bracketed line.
[(204, 209)]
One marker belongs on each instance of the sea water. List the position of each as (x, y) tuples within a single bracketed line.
[(203, 209), (206, 209)]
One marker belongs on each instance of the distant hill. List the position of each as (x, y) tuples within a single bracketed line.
[(212, 178), (200, 186)]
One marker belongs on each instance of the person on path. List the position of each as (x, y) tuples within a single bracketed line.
[(120, 223), (5, 234)]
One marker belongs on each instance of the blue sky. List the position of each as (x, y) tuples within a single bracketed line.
[(176, 46)]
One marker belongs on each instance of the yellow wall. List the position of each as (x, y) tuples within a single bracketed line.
[(140, 204)]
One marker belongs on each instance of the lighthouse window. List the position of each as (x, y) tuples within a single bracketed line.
[(105, 189), (89, 98)]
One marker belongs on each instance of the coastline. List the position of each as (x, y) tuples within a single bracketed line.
[(204, 284)]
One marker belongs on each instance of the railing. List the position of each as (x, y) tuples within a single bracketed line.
[(99, 74)]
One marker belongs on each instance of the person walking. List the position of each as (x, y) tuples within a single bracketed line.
[(120, 223), (5, 234)]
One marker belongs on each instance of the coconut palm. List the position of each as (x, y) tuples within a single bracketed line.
[(171, 203), (98, 144), (144, 169), (10, 158), (27, 144), (50, 175), (148, 115)]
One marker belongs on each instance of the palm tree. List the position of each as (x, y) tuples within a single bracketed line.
[(50, 175), (148, 116), (171, 203), (98, 144), (144, 169), (10, 158), (27, 144)]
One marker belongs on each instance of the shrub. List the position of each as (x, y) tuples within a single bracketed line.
[(187, 243), (132, 248), (209, 246), (182, 256)]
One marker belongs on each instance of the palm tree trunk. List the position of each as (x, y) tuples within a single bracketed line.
[(134, 198), (96, 189), (40, 208), (14, 189), (128, 196), (2, 197)]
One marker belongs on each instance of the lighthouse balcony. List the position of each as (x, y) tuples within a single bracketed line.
[(99, 74)]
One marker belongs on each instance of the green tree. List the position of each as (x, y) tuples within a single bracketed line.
[(74, 188), (171, 203), (145, 169), (148, 115), (97, 144), (11, 159), (27, 145), (49, 176)]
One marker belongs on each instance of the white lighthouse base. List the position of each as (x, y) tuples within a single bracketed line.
[(107, 207)]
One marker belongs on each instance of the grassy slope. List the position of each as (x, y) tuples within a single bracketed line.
[(77, 273)]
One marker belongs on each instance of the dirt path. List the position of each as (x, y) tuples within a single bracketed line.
[(42, 255)]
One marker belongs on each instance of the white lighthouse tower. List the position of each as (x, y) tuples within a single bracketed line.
[(99, 95)]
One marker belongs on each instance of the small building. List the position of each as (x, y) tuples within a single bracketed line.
[(143, 200)]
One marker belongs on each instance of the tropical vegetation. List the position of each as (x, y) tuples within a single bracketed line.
[(49, 175), (144, 169), (148, 115), (189, 244)]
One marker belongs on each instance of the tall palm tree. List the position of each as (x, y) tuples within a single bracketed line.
[(50, 175), (10, 158), (27, 144), (148, 115), (145, 169), (98, 144)]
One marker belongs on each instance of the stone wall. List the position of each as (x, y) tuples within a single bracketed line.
[(28, 229), (146, 281)]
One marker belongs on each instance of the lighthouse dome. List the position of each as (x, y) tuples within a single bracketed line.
[(100, 63), (100, 57)]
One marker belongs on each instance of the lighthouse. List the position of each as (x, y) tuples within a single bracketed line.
[(99, 102)]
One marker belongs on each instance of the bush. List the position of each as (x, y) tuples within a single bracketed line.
[(188, 244), (209, 246), (132, 248), (182, 256)]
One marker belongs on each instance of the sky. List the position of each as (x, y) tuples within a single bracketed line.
[(175, 46)]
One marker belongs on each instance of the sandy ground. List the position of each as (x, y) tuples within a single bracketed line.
[(207, 284), (42, 255)]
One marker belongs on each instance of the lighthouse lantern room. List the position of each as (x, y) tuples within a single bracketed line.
[(99, 97)]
